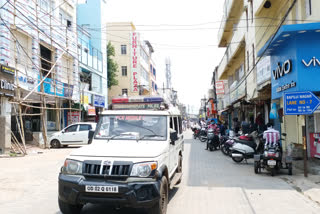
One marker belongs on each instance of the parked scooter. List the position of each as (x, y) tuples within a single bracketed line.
[(246, 147), (271, 160), (213, 140)]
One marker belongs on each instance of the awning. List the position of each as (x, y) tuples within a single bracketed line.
[(285, 34)]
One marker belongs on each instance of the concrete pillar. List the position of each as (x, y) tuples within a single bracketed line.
[(5, 125)]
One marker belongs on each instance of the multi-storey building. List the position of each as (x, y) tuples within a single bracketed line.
[(270, 50), (92, 50), (137, 70), (38, 54)]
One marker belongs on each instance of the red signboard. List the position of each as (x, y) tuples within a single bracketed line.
[(73, 117), (219, 87), (315, 145)]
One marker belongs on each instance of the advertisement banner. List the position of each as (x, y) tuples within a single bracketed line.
[(98, 101), (135, 52), (73, 117), (91, 111), (219, 87)]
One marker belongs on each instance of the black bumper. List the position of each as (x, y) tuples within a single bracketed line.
[(131, 194)]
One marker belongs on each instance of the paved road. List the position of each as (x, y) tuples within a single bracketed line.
[(212, 183)]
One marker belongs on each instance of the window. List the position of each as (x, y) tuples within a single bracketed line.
[(308, 8), (248, 61), (124, 70), (45, 60), (171, 123), (85, 128), (251, 7), (176, 127), (22, 48), (71, 128), (125, 91), (44, 5), (180, 125), (152, 85), (247, 19), (123, 49), (253, 56)]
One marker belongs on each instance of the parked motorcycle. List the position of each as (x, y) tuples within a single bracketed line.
[(245, 147), (212, 140), (226, 142), (196, 132), (271, 160), (203, 134)]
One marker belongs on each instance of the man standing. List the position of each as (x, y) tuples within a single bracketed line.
[(271, 136)]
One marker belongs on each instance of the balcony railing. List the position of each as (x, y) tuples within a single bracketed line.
[(236, 42)]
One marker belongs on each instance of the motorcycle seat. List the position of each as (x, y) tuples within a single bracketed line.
[(252, 144)]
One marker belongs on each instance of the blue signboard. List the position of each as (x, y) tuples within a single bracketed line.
[(298, 103), (98, 101), (295, 59)]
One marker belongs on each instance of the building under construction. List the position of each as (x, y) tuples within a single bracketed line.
[(39, 69)]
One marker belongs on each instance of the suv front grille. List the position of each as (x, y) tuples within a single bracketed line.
[(118, 168)]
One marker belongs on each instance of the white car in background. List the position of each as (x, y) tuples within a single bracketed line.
[(74, 134)]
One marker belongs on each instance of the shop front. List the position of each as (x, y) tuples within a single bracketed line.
[(295, 67), (7, 89)]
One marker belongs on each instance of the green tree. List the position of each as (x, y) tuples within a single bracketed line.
[(112, 66)]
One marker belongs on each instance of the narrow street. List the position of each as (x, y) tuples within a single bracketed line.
[(212, 183)]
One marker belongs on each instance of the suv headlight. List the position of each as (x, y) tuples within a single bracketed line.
[(72, 167), (143, 169)]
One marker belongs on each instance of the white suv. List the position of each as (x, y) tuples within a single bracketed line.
[(133, 161), (74, 134)]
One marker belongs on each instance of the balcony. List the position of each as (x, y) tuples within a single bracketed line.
[(234, 49), (232, 11)]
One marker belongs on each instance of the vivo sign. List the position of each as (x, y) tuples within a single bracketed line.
[(314, 61), (282, 70)]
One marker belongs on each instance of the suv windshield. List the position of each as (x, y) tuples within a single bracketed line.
[(132, 127)]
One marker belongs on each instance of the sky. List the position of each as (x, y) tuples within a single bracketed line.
[(183, 30)]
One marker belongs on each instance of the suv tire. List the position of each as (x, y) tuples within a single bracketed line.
[(179, 169), (66, 208), (161, 206)]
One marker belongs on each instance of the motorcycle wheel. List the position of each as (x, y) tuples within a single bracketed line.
[(224, 150), (289, 169), (273, 171), (194, 137), (202, 139), (256, 167), (210, 148), (237, 159)]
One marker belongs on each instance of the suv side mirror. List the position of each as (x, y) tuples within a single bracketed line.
[(284, 134), (63, 131), (173, 137), (90, 136)]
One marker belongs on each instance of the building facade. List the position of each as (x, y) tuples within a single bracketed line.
[(137, 71), (92, 50), (268, 53), (39, 45)]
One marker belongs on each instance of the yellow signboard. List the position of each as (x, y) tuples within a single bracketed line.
[(84, 99)]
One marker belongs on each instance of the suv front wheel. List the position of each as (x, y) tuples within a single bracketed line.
[(66, 208), (161, 206)]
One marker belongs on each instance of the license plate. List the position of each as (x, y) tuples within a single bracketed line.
[(107, 189), (272, 162)]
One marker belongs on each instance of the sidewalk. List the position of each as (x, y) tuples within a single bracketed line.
[(309, 187), (31, 150)]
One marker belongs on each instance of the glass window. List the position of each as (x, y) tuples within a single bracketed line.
[(132, 127), (180, 125), (123, 49), (99, 61), (71, 128), (124, 70), (125, 91), (176, 127), (308, 8), (95, 58), (85, 128)]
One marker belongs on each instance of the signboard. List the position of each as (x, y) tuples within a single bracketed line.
[(49, 87), (6, 82), (315, 145), (98, 101), (73, 117), (134, 106), (91, 111), (219, 87), (135, 52), (7, 69), (300, 103), (264, 70)]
